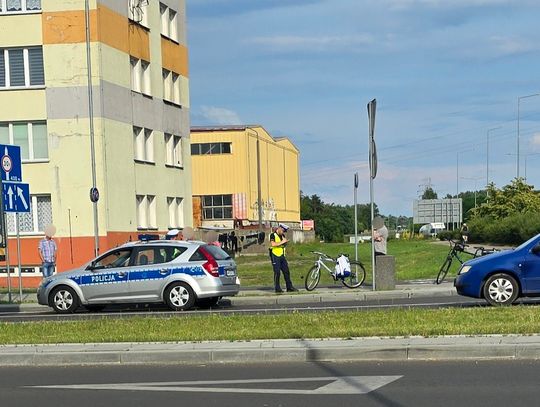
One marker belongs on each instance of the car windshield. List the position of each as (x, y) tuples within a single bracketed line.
[(217, 252), (523, 245)]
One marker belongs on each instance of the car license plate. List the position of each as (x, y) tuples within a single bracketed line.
[(230, 273)]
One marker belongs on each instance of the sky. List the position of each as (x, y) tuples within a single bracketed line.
[(447, 75)]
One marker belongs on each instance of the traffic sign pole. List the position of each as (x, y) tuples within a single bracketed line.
[(19, 255)]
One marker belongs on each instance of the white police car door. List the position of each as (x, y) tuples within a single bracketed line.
[(108, 277), (150, 270)]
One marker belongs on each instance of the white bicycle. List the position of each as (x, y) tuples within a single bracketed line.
[(352, 279)]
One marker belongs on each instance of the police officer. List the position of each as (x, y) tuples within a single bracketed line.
[(278, 241)]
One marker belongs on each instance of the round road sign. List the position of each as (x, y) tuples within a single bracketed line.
[(94, 194), (7, 163)]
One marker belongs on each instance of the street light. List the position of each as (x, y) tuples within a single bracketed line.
[(473, 179), (525, 155), (487, 153), (519, 102), (259, 206)]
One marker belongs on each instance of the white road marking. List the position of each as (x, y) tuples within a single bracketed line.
[(336, 385)]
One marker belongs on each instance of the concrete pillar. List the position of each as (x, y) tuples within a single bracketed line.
[(385, 273)]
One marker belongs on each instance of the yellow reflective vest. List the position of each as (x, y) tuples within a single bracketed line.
[(276, 250)]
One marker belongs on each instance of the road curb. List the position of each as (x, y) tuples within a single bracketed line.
[(451, 348)]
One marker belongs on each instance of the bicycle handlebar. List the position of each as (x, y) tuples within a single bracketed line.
[(322, 255)]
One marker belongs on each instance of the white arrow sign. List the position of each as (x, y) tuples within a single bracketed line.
[(334, 385), (20, 194), (10, 197)]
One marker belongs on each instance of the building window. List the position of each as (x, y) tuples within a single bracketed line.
[(169, 22), (217, 206), (35, 221), (19, 6), (210, 148), (31, 137), (143, 144), (140, 76), (138, 11), (146, 212), (21, 67), (171, 87), (173, 145), (176, 212)]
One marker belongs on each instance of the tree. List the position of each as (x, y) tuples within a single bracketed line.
[(517, 197), (429, 193)]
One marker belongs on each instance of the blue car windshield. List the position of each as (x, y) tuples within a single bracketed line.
[(522, 245)]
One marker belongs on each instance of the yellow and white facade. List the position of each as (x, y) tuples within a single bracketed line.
[(139, 63), (232, 165)]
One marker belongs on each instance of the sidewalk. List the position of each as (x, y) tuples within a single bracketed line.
[(265, 351)]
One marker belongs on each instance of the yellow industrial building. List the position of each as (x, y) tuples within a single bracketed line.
[(139, 65), (235, 168)]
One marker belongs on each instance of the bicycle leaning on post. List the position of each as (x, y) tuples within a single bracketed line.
[(352, 278), (455, 249)]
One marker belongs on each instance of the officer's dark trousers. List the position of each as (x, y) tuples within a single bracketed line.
[(279, 264)]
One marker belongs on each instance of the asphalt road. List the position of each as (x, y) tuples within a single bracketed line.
[(487, 383), (224, 307)]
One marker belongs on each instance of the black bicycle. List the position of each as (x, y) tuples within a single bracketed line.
[(455, 249)]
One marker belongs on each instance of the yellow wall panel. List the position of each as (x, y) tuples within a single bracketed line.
[(65, 65), (68, 27), (23, 105), (139, 42), (13, 35), (174, 57)]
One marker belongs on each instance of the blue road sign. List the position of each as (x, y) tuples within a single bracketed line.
[(11, 163), (16, 197)]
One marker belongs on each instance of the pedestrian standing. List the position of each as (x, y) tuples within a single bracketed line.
[(380, 236), (47, 252), (464, 233), (278, 241)]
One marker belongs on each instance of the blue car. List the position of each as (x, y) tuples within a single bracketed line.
[(502, 277)]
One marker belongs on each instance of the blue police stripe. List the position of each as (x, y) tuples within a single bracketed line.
[(136, 275)]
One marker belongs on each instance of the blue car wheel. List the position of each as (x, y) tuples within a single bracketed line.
[(501, 289)]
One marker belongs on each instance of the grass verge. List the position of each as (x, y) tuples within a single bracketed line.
[(399, 322)]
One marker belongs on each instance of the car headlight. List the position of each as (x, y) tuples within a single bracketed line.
[(464, 269)]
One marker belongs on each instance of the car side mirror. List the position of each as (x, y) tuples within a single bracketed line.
[(536, 250)]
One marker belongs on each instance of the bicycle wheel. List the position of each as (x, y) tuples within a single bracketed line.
[(312, 278), (444, 270), (357, 277)]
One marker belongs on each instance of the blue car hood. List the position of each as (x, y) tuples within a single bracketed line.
[(491, 257)]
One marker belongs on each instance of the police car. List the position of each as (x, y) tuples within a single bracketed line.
[(177, 273)]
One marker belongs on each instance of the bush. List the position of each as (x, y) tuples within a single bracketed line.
[(514, 229), (449, 234)]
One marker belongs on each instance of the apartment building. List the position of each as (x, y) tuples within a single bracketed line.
[(139, 66), (235, 165)]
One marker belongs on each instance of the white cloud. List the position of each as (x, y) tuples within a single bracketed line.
[(505, 46), (220, 115), (407, 4), (303, 43), (535, 141)]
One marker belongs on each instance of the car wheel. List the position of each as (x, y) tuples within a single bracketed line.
[(179, 297), (63, 300), (501, 289)]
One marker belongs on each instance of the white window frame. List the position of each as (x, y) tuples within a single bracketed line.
[(35, 221), (143, 6), (140, 76), (164, 14), (143, 144), (26, 67), (175, 78), (167, 85), (175, 206), (173, 151), (30, 133), (24, 10), (146, 211)]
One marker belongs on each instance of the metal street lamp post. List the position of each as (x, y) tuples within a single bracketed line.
[(518, 135)]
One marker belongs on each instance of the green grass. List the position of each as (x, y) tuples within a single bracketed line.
[(415, 259), (398, 322)]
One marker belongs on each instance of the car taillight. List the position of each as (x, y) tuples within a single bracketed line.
[(211, 265)]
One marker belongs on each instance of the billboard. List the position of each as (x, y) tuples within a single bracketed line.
[(445, 211)]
